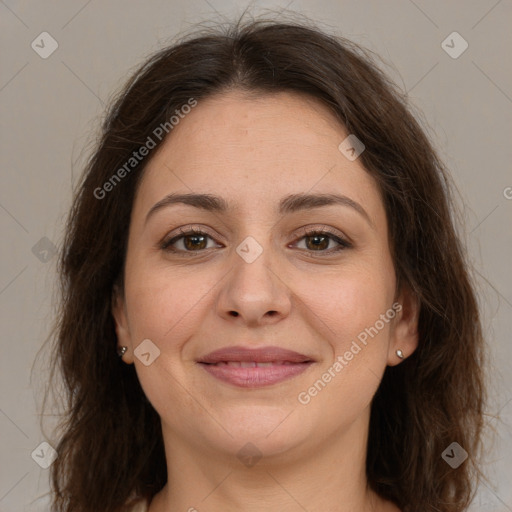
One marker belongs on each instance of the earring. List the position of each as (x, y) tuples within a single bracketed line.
[(400, 354), (121, 351)]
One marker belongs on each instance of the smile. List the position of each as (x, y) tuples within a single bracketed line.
[(251, 368), (252, 364)]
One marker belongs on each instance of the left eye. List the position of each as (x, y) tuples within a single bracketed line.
[(319, 241)]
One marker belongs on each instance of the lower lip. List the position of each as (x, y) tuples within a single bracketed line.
[(256, 377)]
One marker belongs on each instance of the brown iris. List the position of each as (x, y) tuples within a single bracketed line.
[(319, 242), (192, 242)]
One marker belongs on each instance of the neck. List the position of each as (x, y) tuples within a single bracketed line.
[(326, 474)]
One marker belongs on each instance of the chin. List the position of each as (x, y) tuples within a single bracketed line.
[(271, 429)]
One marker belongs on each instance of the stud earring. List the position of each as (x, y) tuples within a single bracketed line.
[(121, 351), (400, 354)]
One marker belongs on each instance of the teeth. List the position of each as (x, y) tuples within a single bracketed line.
[(247, 364)]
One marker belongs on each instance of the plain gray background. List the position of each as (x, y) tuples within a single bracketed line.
[(51, 108)]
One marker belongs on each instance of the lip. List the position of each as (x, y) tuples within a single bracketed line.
[(251, 368)]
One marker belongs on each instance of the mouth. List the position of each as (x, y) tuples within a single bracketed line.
[(251, 368), (251, 364)]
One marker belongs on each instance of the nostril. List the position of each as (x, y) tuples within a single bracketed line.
[(233, 313)]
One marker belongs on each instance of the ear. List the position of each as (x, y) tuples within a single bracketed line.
[(118, 308), (404, 333)]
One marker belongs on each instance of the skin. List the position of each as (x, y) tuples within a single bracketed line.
[(253, 151)]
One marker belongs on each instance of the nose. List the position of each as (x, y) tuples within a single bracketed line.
[(254, 293)]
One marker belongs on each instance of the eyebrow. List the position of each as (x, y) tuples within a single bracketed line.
[(289, 204)]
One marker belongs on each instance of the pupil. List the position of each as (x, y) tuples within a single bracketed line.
[(191, 242), (320, 245)]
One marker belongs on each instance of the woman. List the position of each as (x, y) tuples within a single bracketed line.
[(265, 303)]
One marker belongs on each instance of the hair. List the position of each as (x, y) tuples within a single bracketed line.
[(110, 446)]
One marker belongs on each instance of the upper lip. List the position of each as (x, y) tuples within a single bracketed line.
[(257, 355)]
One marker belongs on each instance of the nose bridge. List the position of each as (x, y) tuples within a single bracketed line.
[(253, 264), (254, 291)]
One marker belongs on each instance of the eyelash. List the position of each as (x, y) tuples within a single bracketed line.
[(166, 244)]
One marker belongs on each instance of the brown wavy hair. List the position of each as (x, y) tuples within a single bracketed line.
[(110, 442)]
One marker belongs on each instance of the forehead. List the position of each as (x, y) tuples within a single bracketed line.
[(255, 149)]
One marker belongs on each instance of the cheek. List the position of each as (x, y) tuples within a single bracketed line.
[(349, 301), (164, 304), (358, 340), (168, 309), (350, 306)]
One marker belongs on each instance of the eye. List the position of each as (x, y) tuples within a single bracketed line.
[(191, 240), (320, 240)]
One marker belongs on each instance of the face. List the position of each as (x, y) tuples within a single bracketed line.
[(272, 300)]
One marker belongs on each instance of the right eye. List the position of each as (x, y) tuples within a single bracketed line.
[(191, 240)]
